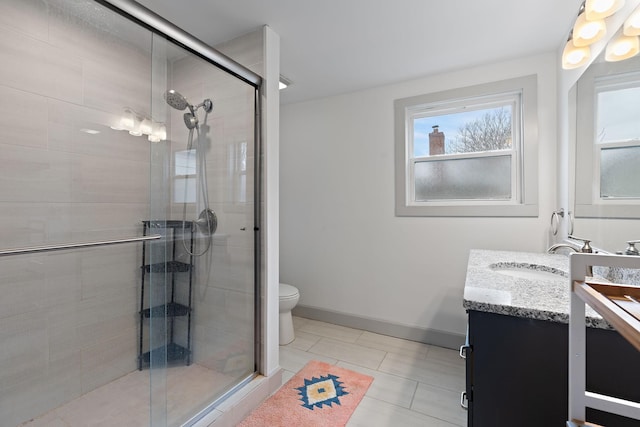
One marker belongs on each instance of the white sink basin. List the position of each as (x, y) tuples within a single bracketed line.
[(528, 271)]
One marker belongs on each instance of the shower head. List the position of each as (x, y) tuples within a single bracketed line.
[(190, 120), (176, 100)]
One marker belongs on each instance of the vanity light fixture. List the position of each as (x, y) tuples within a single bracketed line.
[(622, 47), (135, 131), (590, 27), (600, 9), (159, 132), (127, 121), (587, 32), (632, 24), (145, 126), (574, 56), (137, 125)]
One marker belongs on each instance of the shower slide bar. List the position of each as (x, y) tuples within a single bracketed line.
[(77, 245)]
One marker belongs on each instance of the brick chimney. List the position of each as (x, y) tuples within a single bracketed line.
[(436, 142)]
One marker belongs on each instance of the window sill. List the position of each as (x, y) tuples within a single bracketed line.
[(469, 211)]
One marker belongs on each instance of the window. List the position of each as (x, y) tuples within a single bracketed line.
[(184, 173), (608, 146), (617, 137), (468, 152), (237, 162)]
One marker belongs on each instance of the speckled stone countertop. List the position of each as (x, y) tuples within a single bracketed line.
[(492, 286)]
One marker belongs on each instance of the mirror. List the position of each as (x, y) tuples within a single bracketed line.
[(605, 153)]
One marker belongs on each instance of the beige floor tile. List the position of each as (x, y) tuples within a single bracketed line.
[(433, 372), (286, 376), (328, 330), (439, 403), (49, 420), (392, 344), (446, 356), (299, 322), (125, 401), (347, 352), (414, 384), (304, 340), (374, 413), (292, 359), (386, 387)]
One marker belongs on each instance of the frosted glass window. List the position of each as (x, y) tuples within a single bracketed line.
[(185, 162), (620, 172), (184, 190), (184, 172), (487, 178)]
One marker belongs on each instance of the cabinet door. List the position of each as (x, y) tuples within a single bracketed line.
[(466, 351), (519, 371)]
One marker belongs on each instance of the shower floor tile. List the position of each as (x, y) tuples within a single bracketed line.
[(125, 401)]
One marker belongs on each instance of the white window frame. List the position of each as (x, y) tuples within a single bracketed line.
[(522, 93), (588, 203)]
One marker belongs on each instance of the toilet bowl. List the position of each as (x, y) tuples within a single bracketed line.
[(289, 297)]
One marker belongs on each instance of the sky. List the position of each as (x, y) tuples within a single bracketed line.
[(447, 123)]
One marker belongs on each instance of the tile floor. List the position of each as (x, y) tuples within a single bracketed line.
[(125, 401), (414, 384)]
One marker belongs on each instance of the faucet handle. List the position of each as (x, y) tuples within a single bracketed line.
[(631, 249), (586, 248)]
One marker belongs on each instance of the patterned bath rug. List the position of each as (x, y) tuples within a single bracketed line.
[(321, 395)]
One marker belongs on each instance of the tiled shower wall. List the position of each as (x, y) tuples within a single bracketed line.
[(68, 320)]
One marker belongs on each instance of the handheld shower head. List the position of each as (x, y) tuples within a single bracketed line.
[(190, 120), (176, 100), (179, 102)]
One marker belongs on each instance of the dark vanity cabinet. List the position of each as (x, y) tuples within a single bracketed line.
[(517, 372)]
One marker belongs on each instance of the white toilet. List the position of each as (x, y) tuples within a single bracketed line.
[(289, 297)]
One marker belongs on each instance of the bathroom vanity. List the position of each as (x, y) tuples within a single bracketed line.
[(517, 353)]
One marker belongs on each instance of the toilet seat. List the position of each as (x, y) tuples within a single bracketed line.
[(288, 291)]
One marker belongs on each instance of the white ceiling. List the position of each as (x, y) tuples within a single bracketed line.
[(336, 46)]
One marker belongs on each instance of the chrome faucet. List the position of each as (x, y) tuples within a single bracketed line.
[(585, 248), (631, 248)]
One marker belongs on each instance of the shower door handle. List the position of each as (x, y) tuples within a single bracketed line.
[(78, 245)]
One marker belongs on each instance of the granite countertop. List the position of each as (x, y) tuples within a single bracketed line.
[(492, 286)]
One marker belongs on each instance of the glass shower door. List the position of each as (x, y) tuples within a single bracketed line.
[(202, 187)]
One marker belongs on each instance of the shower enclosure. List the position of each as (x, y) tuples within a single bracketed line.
[(128, 180)]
